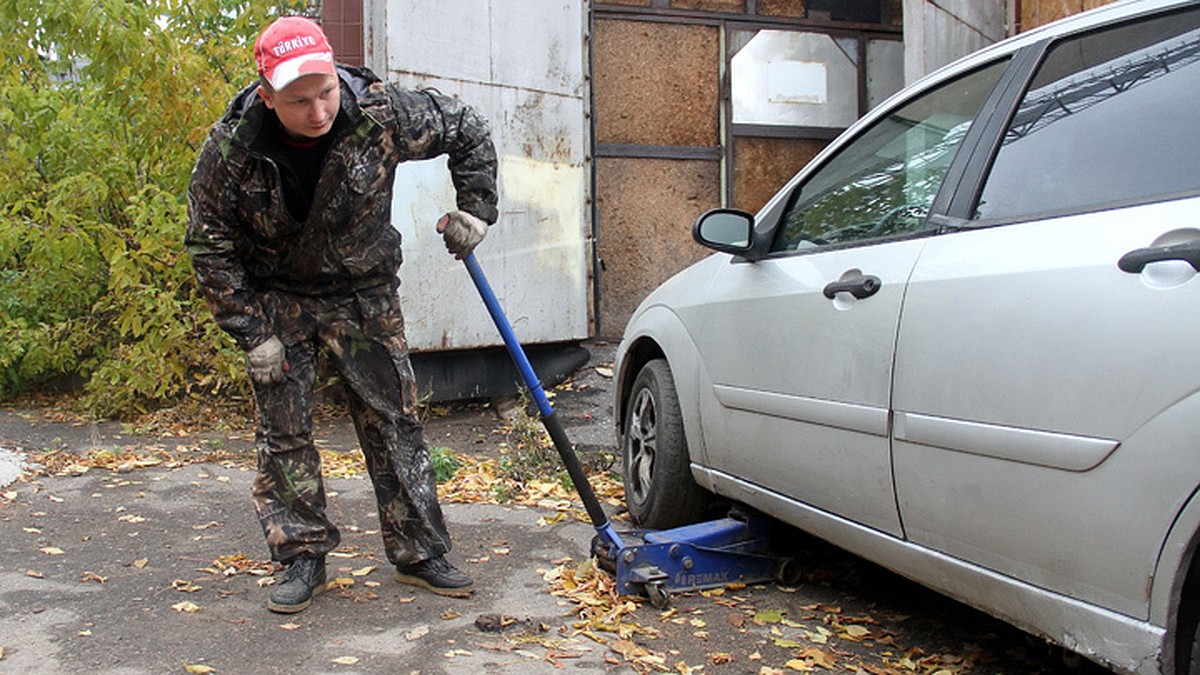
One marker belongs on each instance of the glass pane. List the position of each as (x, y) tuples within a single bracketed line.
[(1110, 117), (796, 79), (883, 182)]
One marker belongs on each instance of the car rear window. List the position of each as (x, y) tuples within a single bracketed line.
[(1110, 117)]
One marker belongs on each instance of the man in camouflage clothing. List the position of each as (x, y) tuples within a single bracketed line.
[(289, 228)]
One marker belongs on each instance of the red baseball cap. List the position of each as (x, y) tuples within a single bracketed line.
[(291, 47)]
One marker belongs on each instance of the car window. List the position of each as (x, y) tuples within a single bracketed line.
[(883, 182), (1110, 117)]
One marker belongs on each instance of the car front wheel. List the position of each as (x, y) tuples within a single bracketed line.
[(659, 488)]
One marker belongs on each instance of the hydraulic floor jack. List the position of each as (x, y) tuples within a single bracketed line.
[(654, 564)]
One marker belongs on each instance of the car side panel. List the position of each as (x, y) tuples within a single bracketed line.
[(1126, 644), (801, 383), (1032, 383)]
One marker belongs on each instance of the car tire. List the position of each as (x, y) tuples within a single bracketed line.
[(659, 489), (1194, 662)]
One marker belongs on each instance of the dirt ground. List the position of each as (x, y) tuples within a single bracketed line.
[(95, 567)]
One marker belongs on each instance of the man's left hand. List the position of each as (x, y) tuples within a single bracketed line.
[(462, 232)]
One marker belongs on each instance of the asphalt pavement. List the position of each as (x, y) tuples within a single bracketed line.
[(162, 569), (142, 570)]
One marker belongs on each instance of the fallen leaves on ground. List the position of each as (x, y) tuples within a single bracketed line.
[(237, 563), (600, 609), (483, 480), (125, 460), (477, 480)]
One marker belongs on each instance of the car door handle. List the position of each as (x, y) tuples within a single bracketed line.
[(863, 286), (1136, 260)]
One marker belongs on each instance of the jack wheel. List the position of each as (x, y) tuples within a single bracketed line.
[(788, 572), (659, 597)]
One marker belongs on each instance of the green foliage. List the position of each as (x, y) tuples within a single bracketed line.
[(103, 107), (445, 463)]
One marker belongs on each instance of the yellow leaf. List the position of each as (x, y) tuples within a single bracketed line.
[(684, 669), (769, 616), (184, 586), (346, 660), (820, 637), (32, 530), (816, 657), (857, 632), (198, 669), (800, 665), (52, 550), (450, 614), (786, 643), (289, 626), (186, 606), (85, 633), (364, 571), (140, 562)]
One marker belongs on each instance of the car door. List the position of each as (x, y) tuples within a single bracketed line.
[(1046, 379), (799, 346)]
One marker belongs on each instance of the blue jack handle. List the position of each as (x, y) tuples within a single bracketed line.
[(549, 417)]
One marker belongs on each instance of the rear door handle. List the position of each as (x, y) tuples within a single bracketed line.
[(1136, 260), (862, 286)]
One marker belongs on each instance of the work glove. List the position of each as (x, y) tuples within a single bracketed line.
[(266, 362), (462, 232)]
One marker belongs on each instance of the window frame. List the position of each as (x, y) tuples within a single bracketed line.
[(982, 130), (961, 202)]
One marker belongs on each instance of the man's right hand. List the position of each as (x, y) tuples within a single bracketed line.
[(462, 232), (266, 362)]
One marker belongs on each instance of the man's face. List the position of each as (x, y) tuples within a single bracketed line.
[(308, 106)]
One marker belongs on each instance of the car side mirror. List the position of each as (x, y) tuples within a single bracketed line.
[(726, 230)]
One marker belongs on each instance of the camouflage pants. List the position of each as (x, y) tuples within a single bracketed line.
[(363, 338)]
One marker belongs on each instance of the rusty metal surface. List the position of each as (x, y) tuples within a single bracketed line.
[(522, 66)]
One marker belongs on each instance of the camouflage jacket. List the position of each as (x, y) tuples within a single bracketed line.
[(243, 239)]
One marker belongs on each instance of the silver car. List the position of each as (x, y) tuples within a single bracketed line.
[(964, 342)]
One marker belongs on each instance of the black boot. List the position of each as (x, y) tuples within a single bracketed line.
[(304, 578), (437, 575)]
